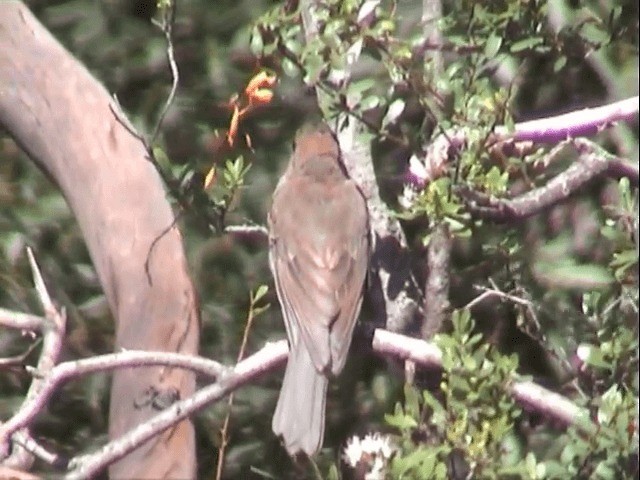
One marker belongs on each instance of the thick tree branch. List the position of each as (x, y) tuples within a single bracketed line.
[(62, 118), (436, 289)]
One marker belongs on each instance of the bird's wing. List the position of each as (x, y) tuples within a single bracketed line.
[(350, 294), (320, 266)]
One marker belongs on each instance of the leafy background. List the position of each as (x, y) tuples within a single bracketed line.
[(569, 54)]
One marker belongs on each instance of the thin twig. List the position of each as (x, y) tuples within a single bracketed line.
[(20, 321), (494, 292), (19, 359), (147, 262), (168, 20), (24, 439), (260, 230), (121, 117), (224, 431)]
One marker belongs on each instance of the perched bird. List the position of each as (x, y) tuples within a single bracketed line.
[(319, 252)]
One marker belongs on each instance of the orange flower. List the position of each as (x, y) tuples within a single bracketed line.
[(210, 178), (262, 96), (260, 80), (233, 126)]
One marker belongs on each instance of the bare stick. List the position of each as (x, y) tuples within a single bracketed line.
[(53, 329), (168, 19), (580, 123), (224, 431), (20, 321)]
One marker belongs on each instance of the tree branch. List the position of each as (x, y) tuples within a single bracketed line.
[(580, 123), (62, 118), (229, 379), (436, 289), (592, 162), (525, 135)]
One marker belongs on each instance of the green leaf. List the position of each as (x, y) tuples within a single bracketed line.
[(492, 47), (570, 276), (260, 292), (433, 403), (333, 473), (559, 63), (361, 86), (411, 401), (256, 45), (400, 421), (161, 157), (369, 102), (594, 356), (526, 44), (594, 34), (393, 112), (289, 68)]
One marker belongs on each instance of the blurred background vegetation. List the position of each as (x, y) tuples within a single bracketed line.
[(563, 261)]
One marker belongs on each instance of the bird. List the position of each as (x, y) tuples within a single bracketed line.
[(319, 249)]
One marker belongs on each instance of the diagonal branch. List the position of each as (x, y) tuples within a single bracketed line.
[(271, 356), (580, 123)]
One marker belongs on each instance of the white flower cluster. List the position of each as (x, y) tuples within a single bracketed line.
[(373, 452)]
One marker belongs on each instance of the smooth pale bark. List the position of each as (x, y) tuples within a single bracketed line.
[(59, 114)]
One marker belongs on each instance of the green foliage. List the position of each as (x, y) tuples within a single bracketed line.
[(611, 452), (255, 297), (621, 227), (468, 425), (233, 179)]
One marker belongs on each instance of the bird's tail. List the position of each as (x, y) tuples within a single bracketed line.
[(299, 415)]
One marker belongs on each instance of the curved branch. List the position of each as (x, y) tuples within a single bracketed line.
[(579, 123), (592, 162), (62, 118)]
